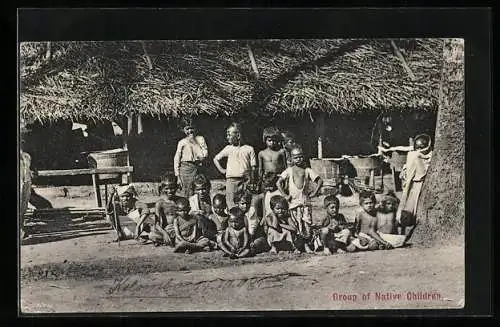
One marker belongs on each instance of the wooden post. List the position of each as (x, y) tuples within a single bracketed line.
[(97, 191), (139, 124), (125, 146), (320, 126)]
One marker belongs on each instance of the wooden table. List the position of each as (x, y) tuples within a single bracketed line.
[(90, 171)]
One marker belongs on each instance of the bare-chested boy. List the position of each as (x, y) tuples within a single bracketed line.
[(298, 177), (288, 143), (165, 212), (273, 158), (235, 241), (366, 225), (189, 237), (387, 226)]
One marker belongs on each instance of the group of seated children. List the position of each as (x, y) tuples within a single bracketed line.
[(278, 219)]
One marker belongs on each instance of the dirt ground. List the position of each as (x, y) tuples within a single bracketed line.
[(69, 265)]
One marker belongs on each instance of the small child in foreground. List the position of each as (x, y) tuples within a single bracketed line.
[(235, 241), (366, 225), (281, 227), (219, 215), (387, 226), (189, 237), (333, 232), (273, 158)]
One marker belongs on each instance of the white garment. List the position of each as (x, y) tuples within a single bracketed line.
[(299, 195), (240, 160), (267, 202), (252, 220), (189, 151)]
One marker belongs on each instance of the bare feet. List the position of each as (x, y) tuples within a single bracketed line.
[(273, 250), (340, 251), (308, 249), (326, 251), (296, 251)]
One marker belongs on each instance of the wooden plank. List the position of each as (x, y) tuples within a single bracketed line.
[(86, 171)]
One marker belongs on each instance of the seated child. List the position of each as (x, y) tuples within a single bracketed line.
[(200, 201), (273, 158), (333, 232), (254, 224), (298, 177), (130, 212), (219, 215), (235, 240), (165, 212), (366, 225), (188, 232), (281, 227), (387, 226)]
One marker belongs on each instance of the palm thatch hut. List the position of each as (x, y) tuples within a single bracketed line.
[(333, 89)]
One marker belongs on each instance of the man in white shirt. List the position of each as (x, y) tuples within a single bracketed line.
[(241, 163)]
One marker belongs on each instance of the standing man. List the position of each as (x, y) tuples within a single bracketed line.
[(191, 152), (241, 163)]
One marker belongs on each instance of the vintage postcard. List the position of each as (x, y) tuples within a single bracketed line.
[(241, 175)]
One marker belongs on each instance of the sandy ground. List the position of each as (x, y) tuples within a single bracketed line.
[(69, 265)]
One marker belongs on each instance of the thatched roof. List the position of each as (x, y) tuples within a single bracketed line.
[(102, 80)]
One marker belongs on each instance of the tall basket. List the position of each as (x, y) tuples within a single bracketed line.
[(328, 169)]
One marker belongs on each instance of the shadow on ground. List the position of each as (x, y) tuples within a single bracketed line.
[(63, 227)]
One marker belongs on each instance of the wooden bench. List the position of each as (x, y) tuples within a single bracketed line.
[(95, 177)]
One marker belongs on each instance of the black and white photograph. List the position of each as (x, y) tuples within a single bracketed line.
[(241, 175)]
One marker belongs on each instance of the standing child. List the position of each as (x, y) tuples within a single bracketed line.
[(241, 163), (189, 237), (235, 241), (263, 200), (413, 174), (165, 212), (273, 158), (366, 225), (191, 152), (298, 177), (333, 232), (281, 227), (288, 143)]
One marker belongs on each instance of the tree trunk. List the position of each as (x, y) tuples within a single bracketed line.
[(442, 201)]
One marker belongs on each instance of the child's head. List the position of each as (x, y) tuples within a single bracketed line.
[(288, 140), (367, 201), (236, 218), (188, 127), (233, 134), (219, 204), (182, 208), (331, 204), (272, 137), (168, 186), (269, 181), (243, 199), (128, 196), (201, 186), (389, 203), (297, 155), (279, 206), (422, 142)]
